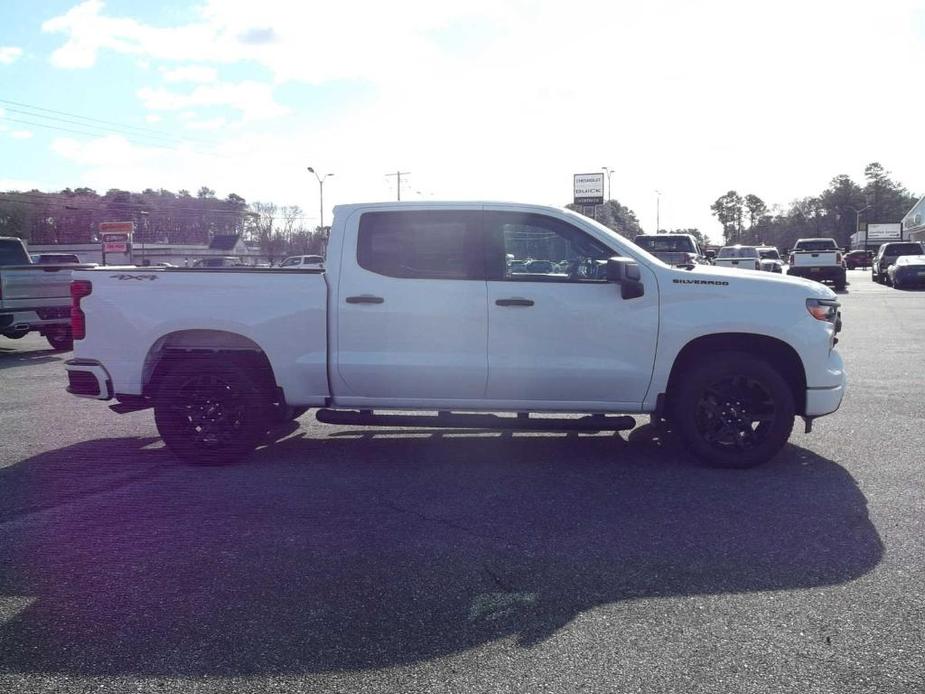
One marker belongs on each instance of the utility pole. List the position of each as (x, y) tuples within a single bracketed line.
[(398, 175)]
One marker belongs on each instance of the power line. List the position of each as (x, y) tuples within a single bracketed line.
[(98, 120), (169, 138), (97, 134)]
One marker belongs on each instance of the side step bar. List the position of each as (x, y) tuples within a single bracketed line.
[(522, 422)]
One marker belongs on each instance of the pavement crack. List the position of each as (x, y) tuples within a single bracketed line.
[(448, 522)]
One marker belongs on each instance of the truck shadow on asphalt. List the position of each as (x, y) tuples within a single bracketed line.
[(365, 551), (11, 358)]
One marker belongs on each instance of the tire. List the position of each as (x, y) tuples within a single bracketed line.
[(212, 412), (16, 335), (60, 340), (717, 389)]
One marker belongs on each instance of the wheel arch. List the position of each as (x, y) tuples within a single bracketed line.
[(777, 353), (197, 343)]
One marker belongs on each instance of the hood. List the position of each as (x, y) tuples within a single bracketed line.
[(759, 282)]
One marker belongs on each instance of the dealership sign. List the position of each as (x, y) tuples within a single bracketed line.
[(884, 232), (116, 236), (589, 189)]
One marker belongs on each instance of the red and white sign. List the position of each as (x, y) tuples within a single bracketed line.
[(116, 236)]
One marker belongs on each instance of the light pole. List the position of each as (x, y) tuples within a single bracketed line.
[(857, 222), (144, 232), (609, 171), (320, 195), (658, 211)]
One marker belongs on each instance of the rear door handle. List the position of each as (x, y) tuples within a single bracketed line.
[(514, 302), (365, 299)]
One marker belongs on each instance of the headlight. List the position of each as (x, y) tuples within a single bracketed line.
[(823, 309)]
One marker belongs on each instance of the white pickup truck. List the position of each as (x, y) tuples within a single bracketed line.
[(34, 297), (818, 259), (419, 310)]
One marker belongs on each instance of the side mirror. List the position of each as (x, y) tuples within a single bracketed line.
[(626, 273)]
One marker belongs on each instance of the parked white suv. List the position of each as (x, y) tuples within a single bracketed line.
[(294, 261)]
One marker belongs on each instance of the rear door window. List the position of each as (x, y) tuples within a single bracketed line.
[(422, 244)]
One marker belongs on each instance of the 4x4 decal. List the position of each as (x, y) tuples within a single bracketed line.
[(126, 276)]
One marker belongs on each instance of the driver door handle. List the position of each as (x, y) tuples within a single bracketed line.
[(514, 302), (365, 299)]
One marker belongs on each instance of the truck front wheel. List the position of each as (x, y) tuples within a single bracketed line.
[(733, 410), (211, 412)]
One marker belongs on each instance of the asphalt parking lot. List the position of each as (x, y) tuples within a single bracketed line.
[(344, 559)]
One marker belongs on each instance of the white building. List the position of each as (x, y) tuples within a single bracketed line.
[(914, 222)]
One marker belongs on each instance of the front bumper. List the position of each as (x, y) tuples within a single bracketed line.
[(825, 399), (87, 378)]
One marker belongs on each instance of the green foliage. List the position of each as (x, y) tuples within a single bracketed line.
[(729, 210), (835, 212), (702, 239), (612, 215)]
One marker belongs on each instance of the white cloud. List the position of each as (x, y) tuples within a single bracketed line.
[(253, 99), (508, 99), (190, 73), (210, 124), (20, 134), (153, 118), (9, 54)]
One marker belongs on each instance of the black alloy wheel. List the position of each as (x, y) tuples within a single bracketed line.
[(733, 411), (211, 413)]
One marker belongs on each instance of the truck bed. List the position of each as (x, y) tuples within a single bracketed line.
[(136, 315)]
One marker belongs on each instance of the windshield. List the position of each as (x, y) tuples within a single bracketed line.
[(816, 245), (903, 249), (666, 244), (738, 252), (769, 254)]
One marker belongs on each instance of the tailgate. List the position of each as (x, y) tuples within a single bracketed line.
[(814, 258), (36, 281)]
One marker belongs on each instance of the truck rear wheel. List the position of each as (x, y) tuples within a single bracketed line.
[(60, 339), (733, 411), (211, 412)]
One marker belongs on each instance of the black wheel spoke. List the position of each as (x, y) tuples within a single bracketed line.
[(735, 413)]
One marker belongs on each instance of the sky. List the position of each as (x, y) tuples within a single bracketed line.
[(482, 99)]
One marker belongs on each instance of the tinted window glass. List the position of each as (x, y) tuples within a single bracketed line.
[(666, 244), (817, 245), (738, 252), (421, 245), (533, 247), (903, 249), (12, 253)]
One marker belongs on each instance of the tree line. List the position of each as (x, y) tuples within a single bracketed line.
[(73, 216), (837, 212)]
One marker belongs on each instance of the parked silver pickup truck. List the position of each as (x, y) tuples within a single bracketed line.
[(34, 297)]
